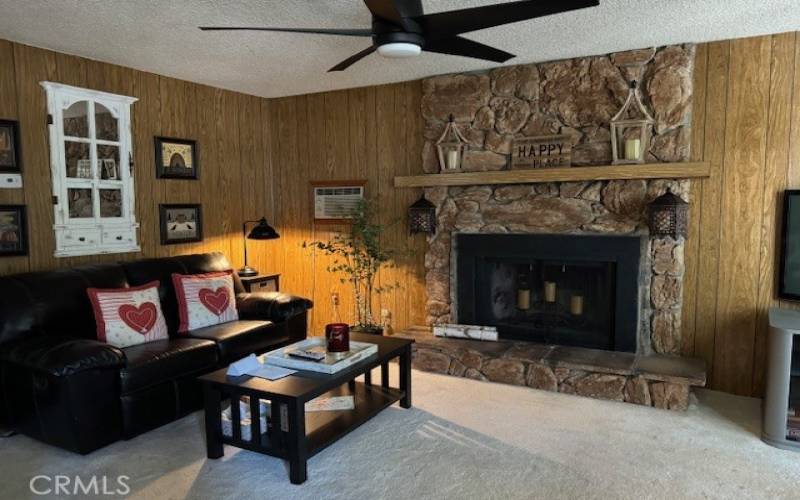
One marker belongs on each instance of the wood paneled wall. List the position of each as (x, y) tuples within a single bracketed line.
[(231, 130), (746, 124), (258, 156), (372, 133)]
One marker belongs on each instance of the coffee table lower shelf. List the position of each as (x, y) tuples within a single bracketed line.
[(292, 433), (324, 428)]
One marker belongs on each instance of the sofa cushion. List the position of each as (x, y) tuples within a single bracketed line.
[(156, 362), (238, 339)]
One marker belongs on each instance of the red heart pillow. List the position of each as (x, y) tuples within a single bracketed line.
[(205, 299), (142, 318), (128, 316), (215, 301)]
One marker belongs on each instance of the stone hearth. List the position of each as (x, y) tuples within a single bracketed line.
[(657, 380)]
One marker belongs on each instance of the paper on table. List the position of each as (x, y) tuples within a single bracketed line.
[(253, 367), (270, 372), (240, 367)]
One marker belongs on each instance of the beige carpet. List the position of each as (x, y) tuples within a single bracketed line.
[(463, 439)]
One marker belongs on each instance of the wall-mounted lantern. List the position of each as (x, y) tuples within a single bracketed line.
[(630, 130), (451, 146), (668, 215), (422, 217)]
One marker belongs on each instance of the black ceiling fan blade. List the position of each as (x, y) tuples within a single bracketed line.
[(398, 12), (321, 31), (456, 22), (353, 59), (460, 46)]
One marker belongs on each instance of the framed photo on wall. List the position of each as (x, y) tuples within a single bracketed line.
[(13, 230), (10, 157), (176, 158), (181, 224)]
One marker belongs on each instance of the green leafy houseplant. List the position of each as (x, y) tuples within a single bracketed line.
[(359, 255)]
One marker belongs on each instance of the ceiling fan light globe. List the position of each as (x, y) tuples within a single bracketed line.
[(399, 50)]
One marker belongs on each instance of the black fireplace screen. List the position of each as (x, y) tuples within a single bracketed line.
[(557, 289)]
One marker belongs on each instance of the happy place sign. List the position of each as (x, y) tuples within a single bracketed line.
[(549, 151)]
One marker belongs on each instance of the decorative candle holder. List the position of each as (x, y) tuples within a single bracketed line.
[(337, 336)]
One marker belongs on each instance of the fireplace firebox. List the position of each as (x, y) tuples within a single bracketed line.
[(572, 290)]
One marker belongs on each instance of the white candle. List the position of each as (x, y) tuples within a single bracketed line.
[(632, 149), (576, 305), (452, 159), (550, 291), (523, 299)]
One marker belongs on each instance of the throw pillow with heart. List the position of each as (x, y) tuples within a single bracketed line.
[(204, 299), (128, 316)]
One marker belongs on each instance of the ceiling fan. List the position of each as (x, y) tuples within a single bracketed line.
[(401, 29)]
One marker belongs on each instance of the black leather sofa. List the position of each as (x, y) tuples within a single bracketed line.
[(59, 385)]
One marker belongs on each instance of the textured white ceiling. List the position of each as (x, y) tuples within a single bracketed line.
[(161, 36)]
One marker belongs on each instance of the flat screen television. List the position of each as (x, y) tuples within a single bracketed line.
[(789, 286)]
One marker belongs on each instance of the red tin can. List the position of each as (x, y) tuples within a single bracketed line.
[(338, 337)]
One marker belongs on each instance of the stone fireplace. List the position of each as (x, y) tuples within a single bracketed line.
[(610, 324), (612, 209), (576, 98), (571, 290)]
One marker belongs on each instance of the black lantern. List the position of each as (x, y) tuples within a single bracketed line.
[(422, 217), (668, 215), (261, 231)]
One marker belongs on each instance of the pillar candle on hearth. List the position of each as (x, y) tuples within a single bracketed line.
[(523, 299), (549, 291), (576, 305)]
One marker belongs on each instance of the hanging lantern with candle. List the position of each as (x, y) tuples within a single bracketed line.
[(422, 217), (451, 146), (630, 130), (668, 215)]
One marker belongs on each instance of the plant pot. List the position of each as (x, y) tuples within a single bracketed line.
[(369, 330)]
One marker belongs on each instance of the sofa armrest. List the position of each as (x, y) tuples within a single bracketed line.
[(271, 306), (63, 356)]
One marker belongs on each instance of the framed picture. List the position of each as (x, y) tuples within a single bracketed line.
[(181, 224), (176, 158), (10, 158), (13, 230)]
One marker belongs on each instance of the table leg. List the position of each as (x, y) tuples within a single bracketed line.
[(405, 377), (298, 444), (275, 429), (368, 377), (385, 375), (213, 410)]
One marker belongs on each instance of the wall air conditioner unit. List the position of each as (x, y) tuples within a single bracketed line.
[(335, 201)]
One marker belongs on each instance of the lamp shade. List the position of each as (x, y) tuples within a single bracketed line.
[(263, 231)]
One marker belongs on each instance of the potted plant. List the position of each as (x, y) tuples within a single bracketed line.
[(359, 255)]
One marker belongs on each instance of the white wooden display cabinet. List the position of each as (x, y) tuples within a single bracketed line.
[(91, 162)]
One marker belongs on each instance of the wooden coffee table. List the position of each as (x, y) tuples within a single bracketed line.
[(292, 434)]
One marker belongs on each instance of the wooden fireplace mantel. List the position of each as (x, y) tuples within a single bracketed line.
[(684, 170)]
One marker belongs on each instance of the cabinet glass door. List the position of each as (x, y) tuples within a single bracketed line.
[(92, 154)]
